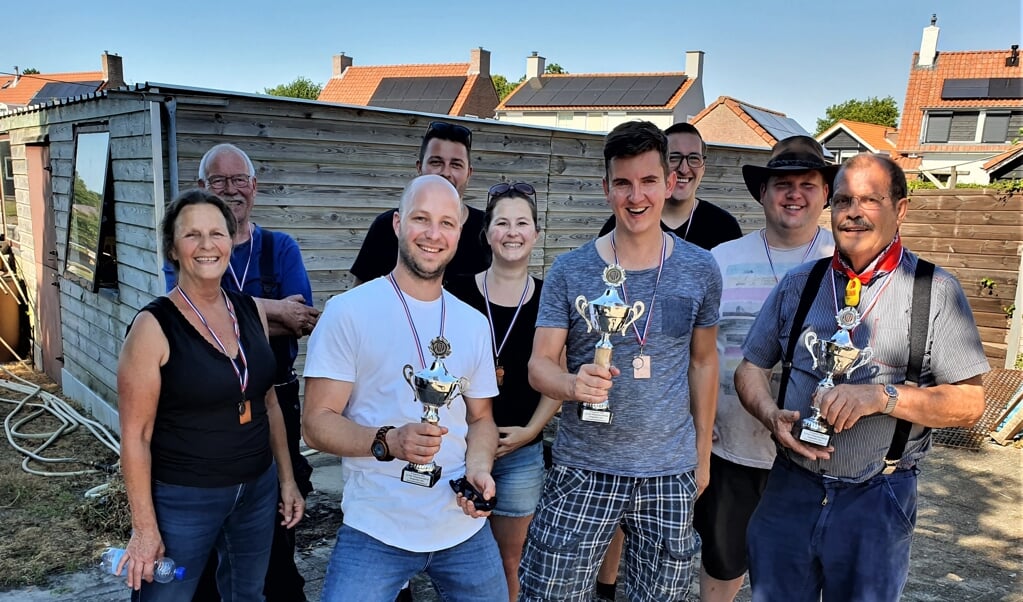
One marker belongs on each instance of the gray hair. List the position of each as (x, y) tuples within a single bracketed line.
[(224, 148)]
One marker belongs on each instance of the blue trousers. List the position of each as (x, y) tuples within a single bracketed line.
[(236, 520), (813, 538), (364, 569)]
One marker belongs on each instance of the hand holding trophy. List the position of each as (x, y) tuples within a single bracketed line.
[(835, 357), (434, 388), (606, 314)]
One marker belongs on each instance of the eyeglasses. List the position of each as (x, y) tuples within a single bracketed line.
[(695, 160), (498, 190), (219, 183), (450, 131), (843, 202)]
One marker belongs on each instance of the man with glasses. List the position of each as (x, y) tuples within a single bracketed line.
[(445, 151), (700, 222), (837, 515), (793, 189), (268, 266)]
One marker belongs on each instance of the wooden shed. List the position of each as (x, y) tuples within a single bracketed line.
[(91, 176)]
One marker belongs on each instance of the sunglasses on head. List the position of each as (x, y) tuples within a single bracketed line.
[(504, 188), (451, 131)]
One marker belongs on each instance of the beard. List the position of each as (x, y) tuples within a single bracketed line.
[(407, 259)]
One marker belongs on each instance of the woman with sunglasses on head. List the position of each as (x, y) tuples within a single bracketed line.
[(510, 298)]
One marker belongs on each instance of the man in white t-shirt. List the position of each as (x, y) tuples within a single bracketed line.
[(793, 188), (359, 406)]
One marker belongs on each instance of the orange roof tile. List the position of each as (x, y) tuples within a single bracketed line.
[(1016, 149), (356, 85), (674, 100), (923, 92), (877, 137), (28, 85), (733, 104)]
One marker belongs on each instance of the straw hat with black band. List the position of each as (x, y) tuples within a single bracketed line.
[(791, 155)]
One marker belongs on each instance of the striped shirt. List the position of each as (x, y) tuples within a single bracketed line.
[(953, 353)]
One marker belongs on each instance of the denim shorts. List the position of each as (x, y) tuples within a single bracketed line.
[(519, 478)]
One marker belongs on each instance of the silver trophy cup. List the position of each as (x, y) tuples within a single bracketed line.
[(434, 388), (607, 314), (834, 357)]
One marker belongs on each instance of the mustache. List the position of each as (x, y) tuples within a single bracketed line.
[(856, 222)]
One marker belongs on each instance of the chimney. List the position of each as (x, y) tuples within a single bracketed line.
[(694, 64), (929, 44), (341, 62), (17, 77), (479, 62), (1011, 61), (535, 65), (113, 72)]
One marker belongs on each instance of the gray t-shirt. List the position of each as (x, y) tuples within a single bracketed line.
[(652, 433), (953, 353)]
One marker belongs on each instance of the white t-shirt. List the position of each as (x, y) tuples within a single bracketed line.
[(364, 337), (747, 279)]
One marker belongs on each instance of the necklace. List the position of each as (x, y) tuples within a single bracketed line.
[(767, 250), (498, 368), (439, 345), (245, 274), (244, 407)]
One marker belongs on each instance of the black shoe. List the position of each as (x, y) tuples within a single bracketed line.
[(405, 595)]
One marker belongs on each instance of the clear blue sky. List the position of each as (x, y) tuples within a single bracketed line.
[(795, 56)]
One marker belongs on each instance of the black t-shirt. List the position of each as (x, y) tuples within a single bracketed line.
[(517, 401), (379, 252), (198, 440), (712, 226)]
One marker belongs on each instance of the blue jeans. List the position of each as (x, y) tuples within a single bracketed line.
[(364, 569), (812, 536), (237, 520), (519, 479)]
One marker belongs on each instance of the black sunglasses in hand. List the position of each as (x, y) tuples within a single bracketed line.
[(472, 494)]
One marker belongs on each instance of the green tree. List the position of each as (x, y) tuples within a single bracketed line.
[(882, 111), (505, 87), (301, 87), (555, 68), (30, 71)]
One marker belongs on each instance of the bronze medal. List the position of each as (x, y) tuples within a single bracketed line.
[(499, 372)]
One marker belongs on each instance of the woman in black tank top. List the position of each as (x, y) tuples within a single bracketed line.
[(201, 428)]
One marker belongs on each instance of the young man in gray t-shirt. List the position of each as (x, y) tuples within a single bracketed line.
[(645, 468)]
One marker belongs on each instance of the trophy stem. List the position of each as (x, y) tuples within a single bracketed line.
[(602, 356)]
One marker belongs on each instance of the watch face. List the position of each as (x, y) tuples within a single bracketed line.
[(378, 450), (891, 391)]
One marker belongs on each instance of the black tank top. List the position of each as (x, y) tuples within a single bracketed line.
[(198, 440)]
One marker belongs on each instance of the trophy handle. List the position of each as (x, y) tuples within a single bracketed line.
[(865, 354), (408, 372), (581, 306), (810, 342), (458, 389), (638, 309)]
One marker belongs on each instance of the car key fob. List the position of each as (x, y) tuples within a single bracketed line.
[(472, 494)]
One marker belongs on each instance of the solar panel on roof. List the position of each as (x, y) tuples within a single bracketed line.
[(426, 94), (1005, 87), (964, 88), (579, 91), (54, 90), (776, 125)]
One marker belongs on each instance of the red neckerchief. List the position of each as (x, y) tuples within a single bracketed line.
[(885, 263)]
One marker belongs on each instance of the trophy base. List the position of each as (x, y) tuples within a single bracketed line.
[(424, 477), (813, 433), (592, 413)]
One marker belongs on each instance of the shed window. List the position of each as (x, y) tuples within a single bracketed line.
[(91, 257)]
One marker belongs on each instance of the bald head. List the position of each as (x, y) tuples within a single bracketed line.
[(432, 186)]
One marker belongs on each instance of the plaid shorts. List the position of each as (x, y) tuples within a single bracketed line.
[(577, 517)]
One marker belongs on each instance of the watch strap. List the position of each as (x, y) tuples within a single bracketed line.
[(381, 437)]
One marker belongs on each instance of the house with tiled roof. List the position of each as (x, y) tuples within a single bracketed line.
[(729, 120), (597, 102), (962, 110), (462, 89), (847, 138), (19, 90)]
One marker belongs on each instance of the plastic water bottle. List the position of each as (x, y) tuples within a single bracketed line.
[(164, 571)]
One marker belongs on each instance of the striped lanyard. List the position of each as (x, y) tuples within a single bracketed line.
[(490, 317), (245, 274), (243, 373), (650, 308), (767, 249), (412, 324)]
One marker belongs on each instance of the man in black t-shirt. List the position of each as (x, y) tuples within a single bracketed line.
[(699, 222), (444, 152)]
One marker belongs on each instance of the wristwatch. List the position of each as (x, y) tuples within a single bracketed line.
[(379, 447), (893, 399)]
